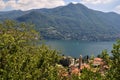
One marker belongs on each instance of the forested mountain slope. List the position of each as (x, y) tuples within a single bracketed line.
[(74, 21)]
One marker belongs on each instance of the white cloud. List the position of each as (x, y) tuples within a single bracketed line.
[(117, 9), (2, 4), (75, 2), (96, 1), (32, 4)]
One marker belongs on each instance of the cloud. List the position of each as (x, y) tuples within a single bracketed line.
[(32, 4), (96, 1), (117, 9), (74, 2), (2, 4)]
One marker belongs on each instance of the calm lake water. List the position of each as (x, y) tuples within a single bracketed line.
[(75, 48)]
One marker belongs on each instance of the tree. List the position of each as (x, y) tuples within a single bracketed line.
[(114, 71), (21, 58), (90, 75), (105, 56)]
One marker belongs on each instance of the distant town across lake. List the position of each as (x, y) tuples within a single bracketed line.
[(76, 48)]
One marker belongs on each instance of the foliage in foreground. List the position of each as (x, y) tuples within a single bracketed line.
[(20, 58), (114, 71)]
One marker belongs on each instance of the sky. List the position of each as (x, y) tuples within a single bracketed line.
[(101, 5)]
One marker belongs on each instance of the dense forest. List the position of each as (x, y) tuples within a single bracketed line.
[(73, 21), (22, 59)]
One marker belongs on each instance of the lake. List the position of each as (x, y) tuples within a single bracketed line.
[(76, 48)]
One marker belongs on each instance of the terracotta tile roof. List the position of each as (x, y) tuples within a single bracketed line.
[(85, 66), (97, 61), (75, 71)]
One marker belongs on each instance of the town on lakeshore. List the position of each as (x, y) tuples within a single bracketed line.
[(35, 33), (75, 66)]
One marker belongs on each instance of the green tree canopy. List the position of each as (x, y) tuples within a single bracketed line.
[(21, 58), (114, 72)]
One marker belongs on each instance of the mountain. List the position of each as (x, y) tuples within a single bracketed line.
[(73, 21)]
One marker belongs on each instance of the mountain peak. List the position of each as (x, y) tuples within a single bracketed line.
[(77, 5), (71, 3), (73, 21)]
